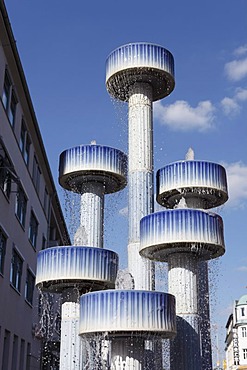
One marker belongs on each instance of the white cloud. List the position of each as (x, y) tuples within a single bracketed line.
[(237, 184), (241, 94), (229, 106), (236, 70), (180, 116), (241, 50), (242, 268)]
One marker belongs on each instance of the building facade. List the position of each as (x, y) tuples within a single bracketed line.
[(236, 336), (30, 219)]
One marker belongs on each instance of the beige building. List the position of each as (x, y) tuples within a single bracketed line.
[(30, 219)]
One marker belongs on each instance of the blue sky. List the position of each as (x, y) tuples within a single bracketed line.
[(63, 47)]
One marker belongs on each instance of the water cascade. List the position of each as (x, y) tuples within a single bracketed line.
[(139, 74), (109, 326), (186, 238), (92, 171)]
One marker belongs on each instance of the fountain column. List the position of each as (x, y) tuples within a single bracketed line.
[(90, 231), (140, 73), (182, 283), (186, 238), (140, 179), (70, 356)]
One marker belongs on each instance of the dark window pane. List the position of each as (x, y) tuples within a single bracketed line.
[(3, 241), (16, 270), (6, 91), (36, 174), (29, 287), (21, 206), (24, 142), (33, 230), (5, 172), (12, 109)]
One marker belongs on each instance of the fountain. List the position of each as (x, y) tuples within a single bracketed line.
[(92, 171), (109, 326), (184, 237), (140, 73)]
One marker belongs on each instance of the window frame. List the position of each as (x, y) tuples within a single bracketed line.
[(6, 91), (16, 268), (44, 243), (33, 229), (9, 98), (3, 245), (5, 174), (29, 286), (12, 108), (46, 202), (25, 142), (36, 174), (21, 206), (244, 353)]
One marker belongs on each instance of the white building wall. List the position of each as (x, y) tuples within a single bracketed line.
[(242, 342), (236, 336)]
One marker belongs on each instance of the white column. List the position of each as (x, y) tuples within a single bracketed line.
[(140, 179), (90, 231), (182, 281), (70, 348), (203, 298)]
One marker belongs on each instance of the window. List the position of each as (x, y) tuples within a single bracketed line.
[(244, 331), (5, 172), (14, 352), (28, 357), (43, 242), (33, 230), (46, 202), (3, 241), (9, 99), (22, 351), (29, 286), (24, 142), (245, 353), (21, 205), (6, 346), (242, 311), (6, 91), (16, 270), (12, 109), (36, 173)]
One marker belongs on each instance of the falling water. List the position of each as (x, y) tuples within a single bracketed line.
[(126, 328)]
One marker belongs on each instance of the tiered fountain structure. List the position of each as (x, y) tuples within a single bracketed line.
[(123, 328), (92, 171), (140, 73), (184, 235), (114, 324), (135, 320)]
